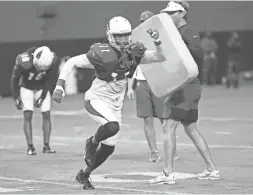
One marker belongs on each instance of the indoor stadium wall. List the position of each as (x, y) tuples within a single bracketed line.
[(77, 25)]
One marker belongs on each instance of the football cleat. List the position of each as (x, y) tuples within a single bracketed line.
[(48, 150), (84, 180), (31, 150), (90, 153)]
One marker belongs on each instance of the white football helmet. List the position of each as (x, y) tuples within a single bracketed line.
[(119, 32), (43, 58)]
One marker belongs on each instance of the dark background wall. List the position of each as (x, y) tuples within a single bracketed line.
[(87, 19), (78, 24)]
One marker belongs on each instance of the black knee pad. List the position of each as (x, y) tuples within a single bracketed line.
[(108, 130), (112, 127)]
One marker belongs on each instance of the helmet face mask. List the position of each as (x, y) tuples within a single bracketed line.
[(122, 40), (119, 32), (42, 58)]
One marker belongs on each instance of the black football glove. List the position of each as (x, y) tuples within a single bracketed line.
[(136, 49)]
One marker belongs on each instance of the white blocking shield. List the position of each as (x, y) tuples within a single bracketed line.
[(178, 69)]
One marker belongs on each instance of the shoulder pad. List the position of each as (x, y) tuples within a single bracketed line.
[(101, 54), (24, 60)]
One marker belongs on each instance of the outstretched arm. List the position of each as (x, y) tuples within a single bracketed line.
[(77, 61), (154, 56), (80, 61)]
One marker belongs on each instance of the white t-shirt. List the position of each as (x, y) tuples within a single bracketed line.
[(138, 74)]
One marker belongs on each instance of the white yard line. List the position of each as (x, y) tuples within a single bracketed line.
[(97, 186), (82, 113), (67, 141)]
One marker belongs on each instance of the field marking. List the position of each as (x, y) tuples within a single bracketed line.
[(110, 178), (4, 190), (82, 139), (66, 141), (223, 133), (82, 113), (191, 145), (177, 175), (59, 144), (226, 119), (101, 187)]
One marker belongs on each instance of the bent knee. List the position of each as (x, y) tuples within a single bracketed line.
[(189, 127), (112, 127), (170, 125), (148, 120), (46, 115), (28, 114), (169, 128)]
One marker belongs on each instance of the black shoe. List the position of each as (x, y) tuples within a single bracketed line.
[(31, 150), (90, 153), (48, 150), (84, 180)]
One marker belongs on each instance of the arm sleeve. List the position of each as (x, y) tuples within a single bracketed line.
[(153, 56), (80, 61), (16, 74)]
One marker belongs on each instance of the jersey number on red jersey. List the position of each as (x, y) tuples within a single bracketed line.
[(37, 77)]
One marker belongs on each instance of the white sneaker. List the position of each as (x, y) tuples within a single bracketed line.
[(163, 179), (212, 175)]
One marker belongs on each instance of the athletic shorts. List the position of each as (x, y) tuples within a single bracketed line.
[(147, 104), (102, 113), (183, 104), (29, 97)]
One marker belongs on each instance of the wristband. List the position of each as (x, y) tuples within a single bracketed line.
[(157, 42), (60, 88)]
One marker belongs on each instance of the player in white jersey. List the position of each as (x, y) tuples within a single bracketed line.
[(114, 62)]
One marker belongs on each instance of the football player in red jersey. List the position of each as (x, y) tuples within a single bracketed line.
[(31, 82), (114, 62)]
